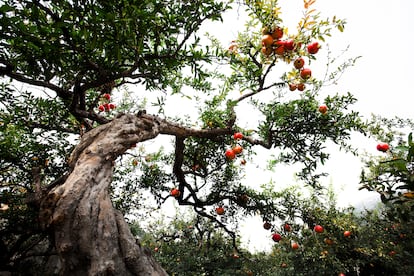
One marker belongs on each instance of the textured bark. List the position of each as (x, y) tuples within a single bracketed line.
[(91, 237)]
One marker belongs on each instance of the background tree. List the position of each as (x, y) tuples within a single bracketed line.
[(81, 54), (352, 242)]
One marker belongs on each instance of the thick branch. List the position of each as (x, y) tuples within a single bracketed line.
[(62, 93)]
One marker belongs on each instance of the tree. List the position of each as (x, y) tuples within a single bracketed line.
[(82, 53)]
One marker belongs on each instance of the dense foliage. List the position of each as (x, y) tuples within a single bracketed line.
[(353, 242), (69, 69)]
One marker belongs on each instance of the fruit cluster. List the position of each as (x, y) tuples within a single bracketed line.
[(272, 43), (235, 150), (304, 73), (105, 104)]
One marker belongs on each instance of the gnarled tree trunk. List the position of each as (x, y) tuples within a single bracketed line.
[(91, 237)]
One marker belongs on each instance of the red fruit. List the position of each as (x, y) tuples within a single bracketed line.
[(392, 253), (280, 50), (266, 50), (267, 225), (341, 274), (292, 86), (175, 192), (383, 147), (112, 106), (318, 229), (301, 86), (101, 108), (313, 48), (305, 73), (276, 237), (277, 33), (287, 227), (238, 136), (280, 47), (106, 106), (230, 154), (295, 246), (106, 96), (267, 40), (220, 210), (289, 45), (243, 161), (237, 149), (347, 234), (323, 109), (299, 63)]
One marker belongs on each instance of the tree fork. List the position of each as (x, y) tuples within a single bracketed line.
[(91, 237)]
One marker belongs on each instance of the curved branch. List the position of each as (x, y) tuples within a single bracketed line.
[(62, 93), (175, 129)]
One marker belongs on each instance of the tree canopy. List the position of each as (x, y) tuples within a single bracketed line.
[(74, 140)]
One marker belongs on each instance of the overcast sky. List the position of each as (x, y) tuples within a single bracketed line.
[(377, 30)]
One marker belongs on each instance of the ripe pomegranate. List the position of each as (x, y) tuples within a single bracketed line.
[(305, 73), (230, 154), (175, 192), (301, 86), (276, 237), (383, 147), (267, 225), (287, 227), (313, 48), (277, 33), (238, 136), (289, 45), (323, 109), (220, 210), (299, 63), (295, 246), (267, 40), (267, 51), (237, 149), (318, 229)]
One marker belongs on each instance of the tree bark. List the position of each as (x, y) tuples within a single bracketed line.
[(91, 237)]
